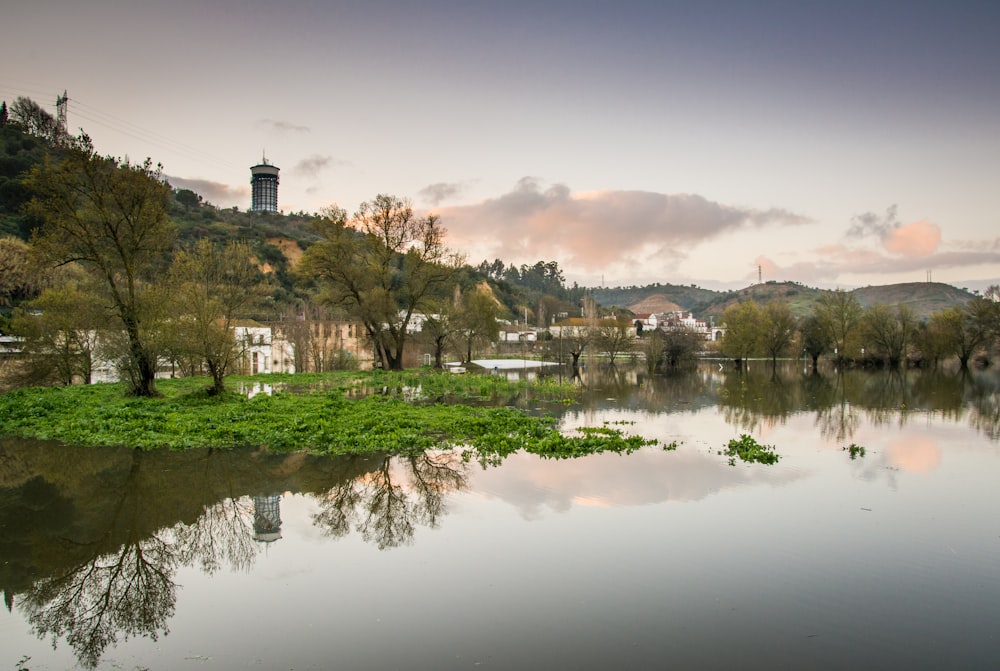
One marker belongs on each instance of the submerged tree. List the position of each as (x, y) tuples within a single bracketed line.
[(777, 329), (743, 328), (815, 338), (888, 332), (110, 216), (840, 315), (962, 331), (383, 265), (614, 337)]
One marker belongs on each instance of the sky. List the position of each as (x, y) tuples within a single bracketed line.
[(710, 142)]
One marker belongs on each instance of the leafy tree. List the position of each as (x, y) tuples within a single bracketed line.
[(3, 113), (743, 330), (15, 276), (676, 345), (840, 315), (888, 332), (474, 321), (382, 265), (815, 338), (110, 216), (959, 332), (62, 332), (213, 286), (987, 312), (777, 329)]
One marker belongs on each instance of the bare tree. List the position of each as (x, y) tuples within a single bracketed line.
[(213, 286), (887, 333), (383, 265), (614, 337), (840, 314), (777, 329), (32, 117)]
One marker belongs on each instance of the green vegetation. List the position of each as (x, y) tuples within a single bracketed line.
[(342, 413), (855, 451), (748, 449), (81, 229)]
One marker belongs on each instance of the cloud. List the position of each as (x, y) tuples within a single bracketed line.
[(311, 166), (440, 191), (600, 229), (869, 223), (283, 126), (216, 193), (918, 239)]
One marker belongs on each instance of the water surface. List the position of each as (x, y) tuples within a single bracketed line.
[(118, 559)]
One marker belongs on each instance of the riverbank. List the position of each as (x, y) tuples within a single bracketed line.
[(348, 412)]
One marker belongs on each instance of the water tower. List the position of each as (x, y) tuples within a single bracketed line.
[(264, 187)]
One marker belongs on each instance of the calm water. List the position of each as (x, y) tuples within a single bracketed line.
[(118, 559)]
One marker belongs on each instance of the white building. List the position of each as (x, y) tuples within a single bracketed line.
[(254, 340)]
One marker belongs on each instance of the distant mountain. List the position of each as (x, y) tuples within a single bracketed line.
[(923, 298)]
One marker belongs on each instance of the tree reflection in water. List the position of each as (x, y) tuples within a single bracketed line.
[(96, 537), (112, 597), (386, 505)]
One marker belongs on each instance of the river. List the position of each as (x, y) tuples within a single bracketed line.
[(873, 542)]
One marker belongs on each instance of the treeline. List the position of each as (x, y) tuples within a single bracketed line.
[(840, 327)]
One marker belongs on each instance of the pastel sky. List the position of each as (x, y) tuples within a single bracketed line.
[(837, 144)]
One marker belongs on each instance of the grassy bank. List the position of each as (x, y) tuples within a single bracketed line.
[(337, 413)]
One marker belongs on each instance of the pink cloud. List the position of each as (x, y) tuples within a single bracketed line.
[(597, 229), (918, 239)]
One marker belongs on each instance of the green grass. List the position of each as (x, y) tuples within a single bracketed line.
[(339, 413)]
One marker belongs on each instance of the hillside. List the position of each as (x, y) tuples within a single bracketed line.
[(923, 298), (684, 297), (800, 298)]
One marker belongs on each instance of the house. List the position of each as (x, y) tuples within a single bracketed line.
[(581, 327), (645, 321), (681, 320), (254, 340), (315, 345), (517, 335)]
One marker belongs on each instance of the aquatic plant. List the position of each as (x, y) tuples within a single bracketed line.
[(748, 449), (854, 450)]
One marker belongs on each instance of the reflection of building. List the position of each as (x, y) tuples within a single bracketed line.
[(264, 187), (267, 518)]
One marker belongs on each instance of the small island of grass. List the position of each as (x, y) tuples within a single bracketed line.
[(346, 412)]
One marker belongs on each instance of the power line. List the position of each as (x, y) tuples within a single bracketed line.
[(115, 124), (152, 137)]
